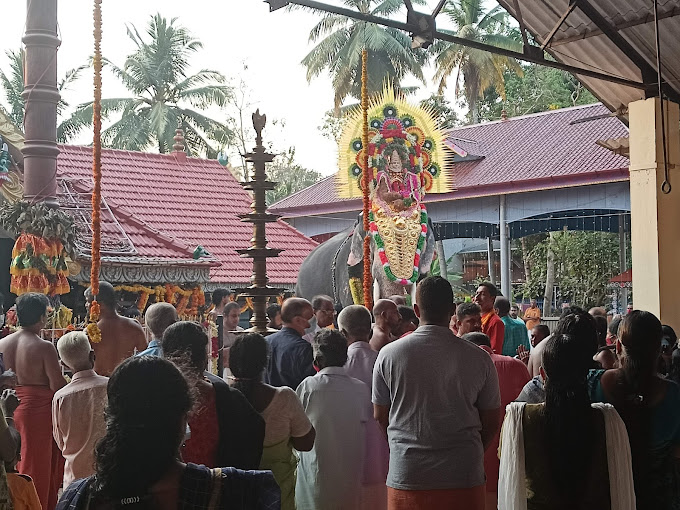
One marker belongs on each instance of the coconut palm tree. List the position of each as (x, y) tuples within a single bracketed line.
[(340, 41), (164, 96), (475, 70), (13, 86)]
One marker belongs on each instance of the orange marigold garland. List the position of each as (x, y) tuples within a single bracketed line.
[(365, 183), (92, 329)]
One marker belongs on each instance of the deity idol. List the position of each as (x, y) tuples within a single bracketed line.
[(405, 155)]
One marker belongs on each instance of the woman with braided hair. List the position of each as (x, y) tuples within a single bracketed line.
[(650, 408), (286, 424), (565, 454), (137, 461)]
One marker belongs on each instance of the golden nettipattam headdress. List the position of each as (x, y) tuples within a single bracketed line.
[(393, 124)]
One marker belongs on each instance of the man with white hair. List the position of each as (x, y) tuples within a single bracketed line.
[(158, 318), (78, 408), (354, 322)]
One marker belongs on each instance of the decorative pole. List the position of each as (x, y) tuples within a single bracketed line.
[(92, 328), (365, 183), (41, 96), (259, 291)]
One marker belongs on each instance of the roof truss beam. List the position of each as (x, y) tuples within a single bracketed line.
[(407, 27), (648, 72), (560, 22)]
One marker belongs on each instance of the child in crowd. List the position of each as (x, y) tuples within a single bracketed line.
[(21, 488)]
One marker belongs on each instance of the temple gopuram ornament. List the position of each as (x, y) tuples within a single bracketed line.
[(407, 158)]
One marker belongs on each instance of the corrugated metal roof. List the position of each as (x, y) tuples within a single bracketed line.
[(579, 41), (527, 153), (189, 202)]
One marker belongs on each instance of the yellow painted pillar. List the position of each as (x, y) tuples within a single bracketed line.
[(655, 216)]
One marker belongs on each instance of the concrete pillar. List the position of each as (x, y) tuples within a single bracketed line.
[(506, 288), (41, 96), (655, 216), (492, 267), (441, 256)]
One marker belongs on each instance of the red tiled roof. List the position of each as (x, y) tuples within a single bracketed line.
[(166, 204), (625, 277), (125, 238), (527, 153)]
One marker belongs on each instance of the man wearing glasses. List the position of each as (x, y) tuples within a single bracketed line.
[(291, 357), (324, 315)]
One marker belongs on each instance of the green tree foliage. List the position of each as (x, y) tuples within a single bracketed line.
[(290, 176), (340, 41), (13, 86), (332, 126), (164, 95), (537, 89), (444, 112), (475, 70), (584, 263)]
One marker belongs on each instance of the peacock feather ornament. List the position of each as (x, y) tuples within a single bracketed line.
[(406, 159)]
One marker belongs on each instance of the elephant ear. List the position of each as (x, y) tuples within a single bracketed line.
[(427, 254), (356, 251)]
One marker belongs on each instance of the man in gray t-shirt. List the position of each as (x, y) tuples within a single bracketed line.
[(437, 398)]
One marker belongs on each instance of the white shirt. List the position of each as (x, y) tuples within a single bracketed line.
[(329, 476), (78, 422), (310, 336), (360, 361)]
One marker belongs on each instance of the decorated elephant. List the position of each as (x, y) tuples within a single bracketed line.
[(330, 266), (402, 158)]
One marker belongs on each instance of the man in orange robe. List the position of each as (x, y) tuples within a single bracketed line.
[(492, 325)]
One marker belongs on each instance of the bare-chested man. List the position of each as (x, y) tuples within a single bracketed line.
[(120, 335), (387, 321), (36, 365)]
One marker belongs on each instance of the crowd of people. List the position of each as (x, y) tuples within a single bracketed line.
[(435, 406)]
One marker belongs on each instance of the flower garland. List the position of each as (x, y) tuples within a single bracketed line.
[(365, 180), (196, 301), (92, 329), (145, 292), (383, 256), (188, 303)]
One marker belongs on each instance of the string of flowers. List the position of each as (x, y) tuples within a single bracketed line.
[(380, 244), (365, 180), (92, 329)]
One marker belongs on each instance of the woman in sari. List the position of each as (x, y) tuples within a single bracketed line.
[(137, 461), (650, 408), (565, 454), (286, 424)]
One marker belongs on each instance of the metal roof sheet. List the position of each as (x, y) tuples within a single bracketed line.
[(580, 42)]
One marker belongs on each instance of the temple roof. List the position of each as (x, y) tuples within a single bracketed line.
[(546, 150), (164, 205)]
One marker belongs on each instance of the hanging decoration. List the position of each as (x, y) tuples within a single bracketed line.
[(365, 180), (189, 303), (92, 329), (45, 240)]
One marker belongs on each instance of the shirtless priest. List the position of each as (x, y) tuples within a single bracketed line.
[(120, 335), (38, 374)]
